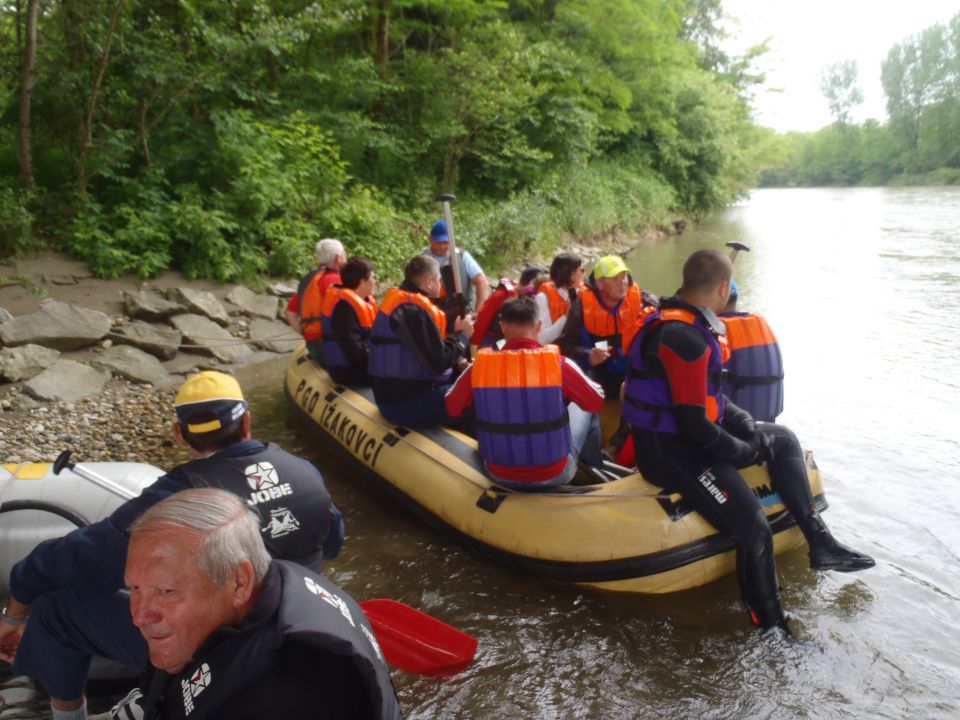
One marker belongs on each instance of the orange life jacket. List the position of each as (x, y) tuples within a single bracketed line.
[(389, 357), (754, 366), (366, 310), (311, 306), (331, 353), (521, 415), (558, 306), (600, 323)]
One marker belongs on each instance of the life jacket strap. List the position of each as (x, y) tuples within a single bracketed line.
[(523, 428), (742, 382)]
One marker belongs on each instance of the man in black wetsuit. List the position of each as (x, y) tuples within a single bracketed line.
[(690, 439)]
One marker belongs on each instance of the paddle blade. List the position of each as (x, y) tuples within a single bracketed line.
[(416, 642)]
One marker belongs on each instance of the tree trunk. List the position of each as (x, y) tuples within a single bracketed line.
[(381, 52), (27, 79), (87, 129), (142, 126)]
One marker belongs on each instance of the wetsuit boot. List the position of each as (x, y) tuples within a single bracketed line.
[(771, 615), (828, 554)]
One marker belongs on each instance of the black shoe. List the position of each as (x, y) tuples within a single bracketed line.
[(828, 554), (840, 558), (771, 616)]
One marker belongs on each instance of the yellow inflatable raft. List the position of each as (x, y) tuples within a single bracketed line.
[(622, 535)]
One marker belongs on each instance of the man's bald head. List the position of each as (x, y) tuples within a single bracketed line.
[(704, 270)]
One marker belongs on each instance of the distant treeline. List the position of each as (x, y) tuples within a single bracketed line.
[(920, 142), (225, 138)]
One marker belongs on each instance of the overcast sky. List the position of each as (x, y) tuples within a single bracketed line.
[(807, 35)]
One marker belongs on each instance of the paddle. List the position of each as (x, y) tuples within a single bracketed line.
[(410, 639), (417, 642), (737, 247), (452, 250)]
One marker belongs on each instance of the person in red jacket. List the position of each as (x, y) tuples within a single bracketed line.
[(486, 330), (330, 258), (536, 411)]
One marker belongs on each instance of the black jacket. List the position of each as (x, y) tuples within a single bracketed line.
[(421, 337), (306, 650), (354, 342)]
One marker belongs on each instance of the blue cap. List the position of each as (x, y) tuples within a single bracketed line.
[(734, 295), (438, 233)]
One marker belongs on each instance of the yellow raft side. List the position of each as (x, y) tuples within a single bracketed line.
[(592, 535)]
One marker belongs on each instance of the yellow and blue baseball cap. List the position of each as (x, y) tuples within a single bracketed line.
[(209, 401), (609, 266)]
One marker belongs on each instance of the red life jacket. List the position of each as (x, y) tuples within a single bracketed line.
[(486, 330)]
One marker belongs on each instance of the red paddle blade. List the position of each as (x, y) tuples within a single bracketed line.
[(416, 642)]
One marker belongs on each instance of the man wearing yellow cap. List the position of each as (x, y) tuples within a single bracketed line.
[(69, 587), (597, 320)]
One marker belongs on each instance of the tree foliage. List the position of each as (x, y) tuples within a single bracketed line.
[(838, 83), (919, 143), (224, 138)]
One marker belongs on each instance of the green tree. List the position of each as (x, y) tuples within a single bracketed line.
[(839, 84)]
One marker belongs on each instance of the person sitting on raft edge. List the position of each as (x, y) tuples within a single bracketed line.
[(554, 296), (529, 437), (691, 440), (412, 357), (602, 312), (486, 329), (753, 377), (349, 310), (303, 309)]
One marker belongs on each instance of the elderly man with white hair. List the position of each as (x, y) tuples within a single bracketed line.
[(64, 606), (303, 309), (234, 634)]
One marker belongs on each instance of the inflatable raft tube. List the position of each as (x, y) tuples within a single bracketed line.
[(36, 504), (623, 535)]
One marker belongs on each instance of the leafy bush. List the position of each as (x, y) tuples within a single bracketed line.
[(583, 200), (16, 222)]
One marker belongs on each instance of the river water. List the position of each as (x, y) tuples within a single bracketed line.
[(862, 287)]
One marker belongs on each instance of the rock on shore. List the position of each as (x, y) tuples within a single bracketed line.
[(102, 383)]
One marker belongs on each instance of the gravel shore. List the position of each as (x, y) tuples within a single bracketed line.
[(125, 422)]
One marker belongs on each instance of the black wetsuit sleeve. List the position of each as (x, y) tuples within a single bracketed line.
[(347, 332), (420, 336), (737, 421), (684, 355), (571, 339)]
